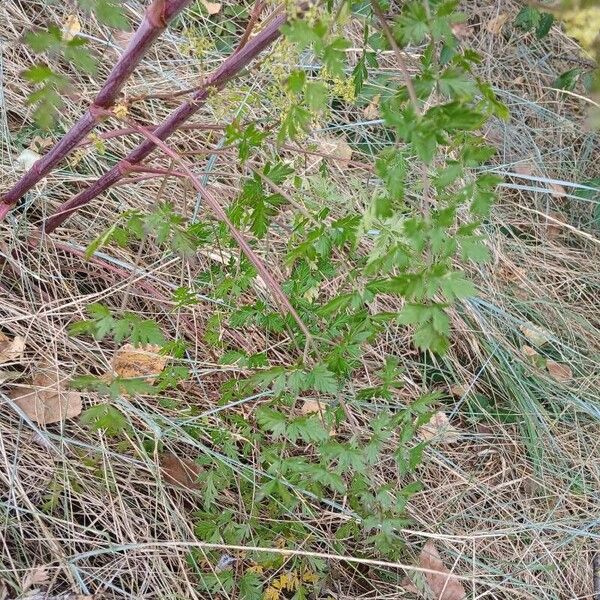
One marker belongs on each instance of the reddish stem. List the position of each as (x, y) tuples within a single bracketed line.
[(220, 213), (157, 16), (217, 80)]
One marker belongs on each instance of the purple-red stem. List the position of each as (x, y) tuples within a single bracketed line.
[(157, 17), (220, 213), (227, 71)]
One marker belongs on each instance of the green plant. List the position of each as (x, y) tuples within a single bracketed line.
[(407, 247)]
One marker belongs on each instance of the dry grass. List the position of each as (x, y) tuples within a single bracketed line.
[(512, 505)]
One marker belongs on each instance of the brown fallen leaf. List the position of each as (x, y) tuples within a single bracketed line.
[(181, 472), (145, 361), (338, 149), (310, 407), (439, 427), (442, 585), (37, 576), (554, 224), (39, 143), (462, 31), (458, 390), (524, 168), (71, 28), (371, 111), (11, 350), (536, 335), (27, 159), (557, 190), (496, 24), (212, 8), (531, 355), (559, 371), (47, 400)]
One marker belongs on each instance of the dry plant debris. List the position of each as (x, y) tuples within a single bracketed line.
[(142, 362), (440, 429), (11, 350), (181, 472), (441, 584), (47, 400), (526, 508)]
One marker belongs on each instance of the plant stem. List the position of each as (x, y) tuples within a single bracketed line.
[(227, 71), (398, 54), (220, 213), (412, 94), (156, 18)]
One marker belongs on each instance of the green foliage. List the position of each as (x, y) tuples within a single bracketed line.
[(166, 227), (106, 418), (50, 84), (406, 244), (108, 12), (130, 326), (532, 19), (568, 80), (47, 97)]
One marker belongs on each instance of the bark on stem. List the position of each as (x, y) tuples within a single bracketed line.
[(157, 17), (217, 80)]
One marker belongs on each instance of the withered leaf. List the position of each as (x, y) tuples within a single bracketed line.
[(536, 335), (27, 159), (71, 27), (439, 427), (181, 472), (559, 371), (11, 350), (441, 583), (337, 149), (212, 8), (47, 400), (312, 406), (496, 24), (145, 361)]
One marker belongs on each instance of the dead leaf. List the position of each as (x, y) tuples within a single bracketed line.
[(312, 406), (442, 584), (371, 111), (462, 31), (559, 371), (409, 586), (528, 351), (337, 149), (37, 576), (557, 190), (71, 28), (524, 168), (554, 224), (145, 361), (496, 24), (47, 400), (39, 143), (458, 390), (537, 336), (212, 8), (533, 357), (439, 428), (27, 159), (11, 350), (181, 472)]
